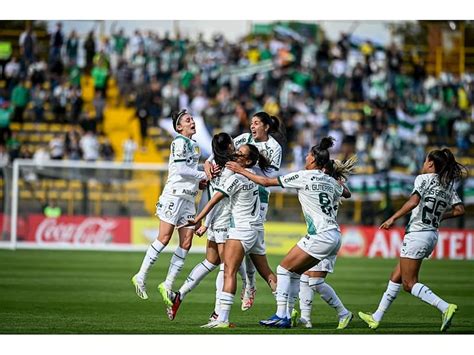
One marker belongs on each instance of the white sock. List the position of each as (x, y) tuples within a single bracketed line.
[(176, 265), (328, 295), (219, 286), (196, 275), (425, 294), (306, 297), (227, 299), (250, 282), (293, 294), (387, 298), (152, 253), (243, 274), (283, 290)]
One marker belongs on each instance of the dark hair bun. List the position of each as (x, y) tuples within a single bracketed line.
[(326, 143)]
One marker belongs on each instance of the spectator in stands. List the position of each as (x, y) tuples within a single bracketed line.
[(13, 146), (20, 99), (89, 47), (27, 46), (99, 107), (6, 113), (99, 76), (56, 147), (89, 146), (107, 151), (76, 103), (56, 43), (72, 47), (72, 145), (129, 149), (12, 73), (39, 97), (60, 101)]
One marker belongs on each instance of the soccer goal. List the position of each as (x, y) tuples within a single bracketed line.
[(81, 205)]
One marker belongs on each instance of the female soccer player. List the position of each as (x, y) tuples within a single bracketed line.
[(313, 280), (175, 206), (217, 225), (245, 232), (267, 133), (433, 192), (317, 193)]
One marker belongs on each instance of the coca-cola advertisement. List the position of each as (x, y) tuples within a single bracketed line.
[(78, 230)]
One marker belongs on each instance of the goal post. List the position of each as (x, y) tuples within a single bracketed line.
[(103, 205)]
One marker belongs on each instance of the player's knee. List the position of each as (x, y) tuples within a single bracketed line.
[(164, 238), (213, 258), (408, 284)]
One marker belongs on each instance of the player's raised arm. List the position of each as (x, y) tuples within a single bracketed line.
[(261, 180)]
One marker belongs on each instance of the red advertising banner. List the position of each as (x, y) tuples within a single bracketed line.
[(78, 230), (373, 242)]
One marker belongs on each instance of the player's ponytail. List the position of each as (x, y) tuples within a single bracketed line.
[(341, 169), (256, 157), (446, 166), (320, 152), (220, 148)]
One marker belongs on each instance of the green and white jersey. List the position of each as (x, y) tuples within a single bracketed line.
[(270, 149), (318, 194), (219, 217), (434, 200), (183, 175), (244, 201)]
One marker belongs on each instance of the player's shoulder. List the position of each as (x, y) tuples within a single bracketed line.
[(423, 180), (242, 139), (272, 142), (226, 173)]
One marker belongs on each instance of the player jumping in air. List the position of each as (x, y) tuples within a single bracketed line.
[(175, 206)]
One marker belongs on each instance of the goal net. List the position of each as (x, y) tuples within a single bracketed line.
[(82, 205)]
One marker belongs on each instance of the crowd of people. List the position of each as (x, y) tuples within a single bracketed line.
[(308, 84)]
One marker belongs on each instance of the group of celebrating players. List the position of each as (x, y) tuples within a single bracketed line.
[(233, 210)]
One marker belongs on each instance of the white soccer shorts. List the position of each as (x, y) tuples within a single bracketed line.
[(218, 235), (251, 239), (326, 265), (175, 210), (418, 245), (322, 245)]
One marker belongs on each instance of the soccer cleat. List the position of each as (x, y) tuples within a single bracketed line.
[(249, 298), (305, 323), (448, 316), (213, 316), (171, 311), (276, 322), (140, 288), (218, 324), (294, 318), (371, 322), (166, 294), (344, 321)]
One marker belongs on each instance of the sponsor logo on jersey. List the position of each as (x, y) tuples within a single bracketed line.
[(190, 192), (292, 178), (234, 183)]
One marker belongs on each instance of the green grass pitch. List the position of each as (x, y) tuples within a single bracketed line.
[(82, 292)]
